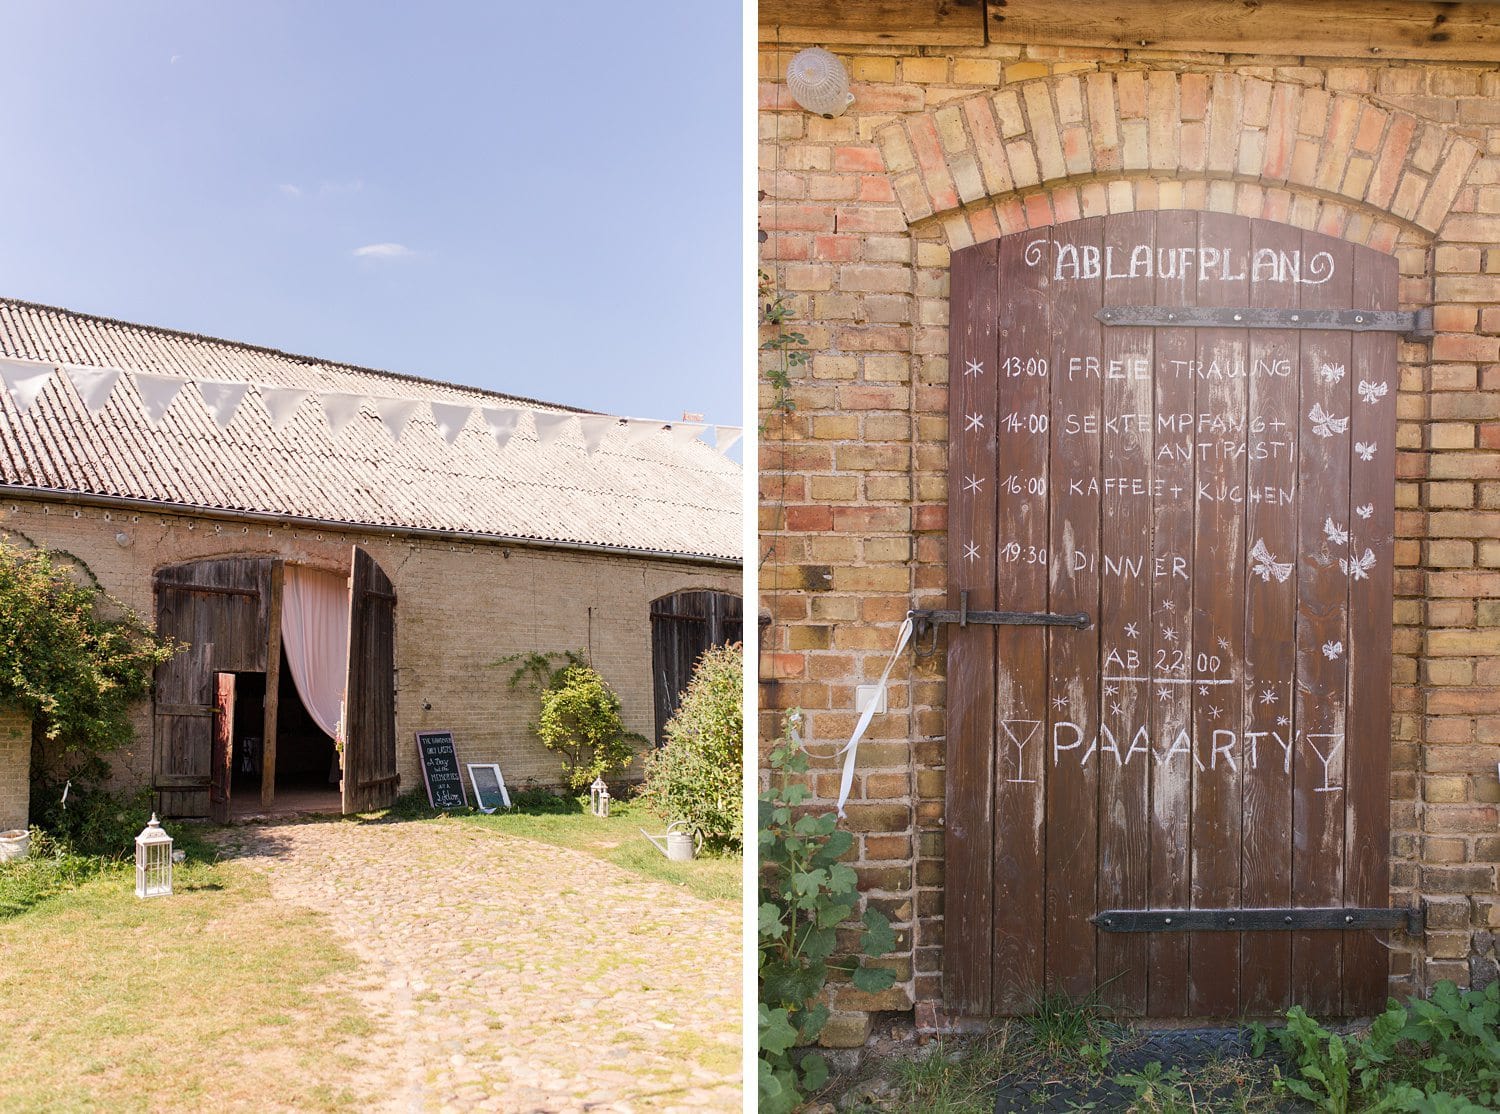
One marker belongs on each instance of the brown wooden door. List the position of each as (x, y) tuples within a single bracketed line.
[(219, 610), (370, 778), (683, 626), (223, 748), (1219, 502)]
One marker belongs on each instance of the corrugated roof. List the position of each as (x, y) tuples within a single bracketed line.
[(656, 494)]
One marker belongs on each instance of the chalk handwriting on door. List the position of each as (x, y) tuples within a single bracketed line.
[(1221, 263)]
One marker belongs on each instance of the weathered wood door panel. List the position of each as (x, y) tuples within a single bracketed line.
[(370, 778), (1219, 500), (223, 752)]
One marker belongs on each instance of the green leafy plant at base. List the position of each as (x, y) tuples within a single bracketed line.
[(1439, 1055), (580, 720), (806, 892), (696, 775), (786, 346)]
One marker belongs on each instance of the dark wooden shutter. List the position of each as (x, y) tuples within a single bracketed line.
[(683, 625), (1218, 500), (370, 778)]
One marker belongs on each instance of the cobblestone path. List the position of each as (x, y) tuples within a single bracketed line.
[(502, 974)]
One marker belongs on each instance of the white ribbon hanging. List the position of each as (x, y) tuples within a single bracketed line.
[(685, 434), (395, 413), (157, 393), (24, 380), (501, 423), (549, 426), (850, 750), (223, 400), (725, 436), (282, 402), (339, 408), (93, 384), (594, 427), (637, 430), (450, 419)]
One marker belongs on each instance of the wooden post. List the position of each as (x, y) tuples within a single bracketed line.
[(273, 687)]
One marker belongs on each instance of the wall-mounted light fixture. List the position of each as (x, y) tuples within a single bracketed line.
[(819, 83)]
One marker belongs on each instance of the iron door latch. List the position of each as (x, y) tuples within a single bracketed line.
[(925, 621), (1257, 920)]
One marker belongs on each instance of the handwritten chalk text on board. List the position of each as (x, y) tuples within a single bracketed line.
[(1225, 264)]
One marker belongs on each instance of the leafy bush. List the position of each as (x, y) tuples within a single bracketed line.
[(696, 775), (93, 821), (805, 894), (580, 719), (70, 666)]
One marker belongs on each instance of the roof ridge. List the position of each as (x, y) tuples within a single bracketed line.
[(295, 356)]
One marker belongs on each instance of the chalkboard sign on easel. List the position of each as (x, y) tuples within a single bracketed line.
[(445, 785)]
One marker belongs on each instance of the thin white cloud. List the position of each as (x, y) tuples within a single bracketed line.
[(289, 190), (383, 251), (175, 59)]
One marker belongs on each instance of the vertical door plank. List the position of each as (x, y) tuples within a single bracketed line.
[(1371, 525), (273, 686), (370, 695), (1126, 442), (1322, 631), (223, 748), (969, 830), (1213, 638), (1024, 337), (1166, 630), (1269, 653), (1072, 798)]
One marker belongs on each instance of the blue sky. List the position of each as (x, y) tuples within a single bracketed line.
[(542, 199)]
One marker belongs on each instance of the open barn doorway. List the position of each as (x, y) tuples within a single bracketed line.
[(307, 769)]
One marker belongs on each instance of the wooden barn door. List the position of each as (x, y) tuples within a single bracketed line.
[(223, 749), (683, 626), (1209, 482), (370, 778), (219, 609)]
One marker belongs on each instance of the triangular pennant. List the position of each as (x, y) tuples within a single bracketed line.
[(450, 419), (223, 400), (637, 430), (501, 423), (157, 393), (282, 402), (594, 427), (549, 427), (339, 408), (395, 413), (24, 380), (725, 436), (93, 384), (685, 434)]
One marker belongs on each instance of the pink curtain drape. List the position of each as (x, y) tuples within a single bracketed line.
[(315, 633)]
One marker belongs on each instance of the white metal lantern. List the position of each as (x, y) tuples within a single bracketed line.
[(153, 861), (599, 798), (818, 82)]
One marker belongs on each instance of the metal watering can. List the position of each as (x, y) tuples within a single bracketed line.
[(681, 846)]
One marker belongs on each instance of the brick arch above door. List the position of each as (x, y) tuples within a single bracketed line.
[(1063, 147)]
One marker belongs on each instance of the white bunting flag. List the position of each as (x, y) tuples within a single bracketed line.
[(549, 427), (93, 384), (450, 419), (637, 430), (157, 393), (223, 400), (24, 380), (725, 436), (282, 402), (594, 427), (501, 423), (339, 408), (685, 434), (395, 413)]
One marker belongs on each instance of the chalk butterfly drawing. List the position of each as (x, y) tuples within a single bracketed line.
[(1365, 511), (1365, 451), (1266, 565), (1358, 568), (1324, 424), (1334, 533), (1372, 391), (1331, 373), (1332, 650)]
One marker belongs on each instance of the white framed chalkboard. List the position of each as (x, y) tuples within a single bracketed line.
[(489, 786)]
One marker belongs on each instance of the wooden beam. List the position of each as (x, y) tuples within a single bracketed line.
[(1372, 29), (905, 22), (273, 688)]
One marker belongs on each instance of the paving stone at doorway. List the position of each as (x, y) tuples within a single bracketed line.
[(514, 976)]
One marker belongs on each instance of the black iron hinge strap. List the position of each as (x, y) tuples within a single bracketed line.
[(1411, 324), (1256, 920)]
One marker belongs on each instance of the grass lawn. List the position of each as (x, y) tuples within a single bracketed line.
[(216, 997)]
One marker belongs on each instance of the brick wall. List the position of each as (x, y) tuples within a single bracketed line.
[(460, 607), (946, 147), (15, 769)]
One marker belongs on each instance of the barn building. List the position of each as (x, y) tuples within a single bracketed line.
[(332, 579), (1153, 361)]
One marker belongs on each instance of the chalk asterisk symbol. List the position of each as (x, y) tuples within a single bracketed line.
[(1132, 631), (1282, 721), (1268, 696), (1059, 701), (971, 551), (1169, 634), (976, 367), (1163, 693), (1214, 713), (975, 421), (1116, 710), (973, 483), (1224, 644), (1111, 690), (1202, 690)]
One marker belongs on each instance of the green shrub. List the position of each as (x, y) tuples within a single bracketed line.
[(93, 821), (697, 776), (580, 719)]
